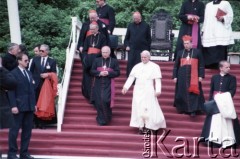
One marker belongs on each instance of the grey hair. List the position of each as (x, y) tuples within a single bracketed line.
[(107, 47), (11, 46), (46, 47), (146, 52)]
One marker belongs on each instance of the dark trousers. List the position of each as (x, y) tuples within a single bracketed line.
[(23, 120), (134, 57)]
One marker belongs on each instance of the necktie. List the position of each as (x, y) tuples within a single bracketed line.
[(42, 64), (25, 74)]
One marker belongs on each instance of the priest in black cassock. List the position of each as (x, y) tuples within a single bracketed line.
[(9, 59), (221, 83), (85, 30), (188, 73), (191, 15), (104, 70), (91, 50), (106, 14), (137, 39)]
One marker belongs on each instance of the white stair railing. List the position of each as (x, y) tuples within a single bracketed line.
[(63, 86)]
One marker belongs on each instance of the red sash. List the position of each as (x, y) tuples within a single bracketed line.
[(104, 20), (194, 74), (195, 28), (112, 85), (88, 33), (93, 50)]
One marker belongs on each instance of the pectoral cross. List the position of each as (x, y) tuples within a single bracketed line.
[(188, 57), (104, 67)]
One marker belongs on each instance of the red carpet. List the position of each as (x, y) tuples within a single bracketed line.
[(81, 136)]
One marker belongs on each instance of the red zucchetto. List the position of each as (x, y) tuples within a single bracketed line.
[(186, 38)]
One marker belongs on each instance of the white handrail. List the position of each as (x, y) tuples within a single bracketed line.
[(63, 87)]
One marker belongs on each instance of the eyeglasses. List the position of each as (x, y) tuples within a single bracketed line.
[(42, 50), (26, 60)]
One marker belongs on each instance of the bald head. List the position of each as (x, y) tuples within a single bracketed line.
[(106, 51), (137, 18), (93, 16)]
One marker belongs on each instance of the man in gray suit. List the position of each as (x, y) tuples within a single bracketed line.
[(23, 105)]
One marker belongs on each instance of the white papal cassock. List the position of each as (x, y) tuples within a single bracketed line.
[(146, 110)]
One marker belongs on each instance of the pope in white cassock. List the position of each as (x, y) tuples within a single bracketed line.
[(146, 111)]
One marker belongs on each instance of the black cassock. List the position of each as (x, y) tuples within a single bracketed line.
[(95, 42), (226, 83), (189, 7), (138, 38), (7, 82), (185, 101), (103, 88), (84, 31), (107, 12)]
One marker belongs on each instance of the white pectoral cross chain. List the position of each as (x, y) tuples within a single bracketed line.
[(188, 57)]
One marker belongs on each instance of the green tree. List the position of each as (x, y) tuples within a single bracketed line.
[(44, 21)]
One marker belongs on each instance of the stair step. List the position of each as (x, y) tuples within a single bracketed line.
[(82, 136)]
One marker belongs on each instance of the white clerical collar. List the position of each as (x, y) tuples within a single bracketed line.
[(222, 74)]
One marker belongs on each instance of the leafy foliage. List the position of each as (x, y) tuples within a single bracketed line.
[(48, 21)]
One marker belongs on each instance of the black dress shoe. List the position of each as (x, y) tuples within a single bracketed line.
[(27, 156), (12, 157)]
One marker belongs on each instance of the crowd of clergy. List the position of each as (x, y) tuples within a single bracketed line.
[(197, 48)]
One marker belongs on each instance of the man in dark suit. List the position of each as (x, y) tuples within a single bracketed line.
[(23, 104), (41, 65), (9, 60)]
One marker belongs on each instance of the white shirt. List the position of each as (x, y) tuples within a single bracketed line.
[(45, 60), (22, 70)]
